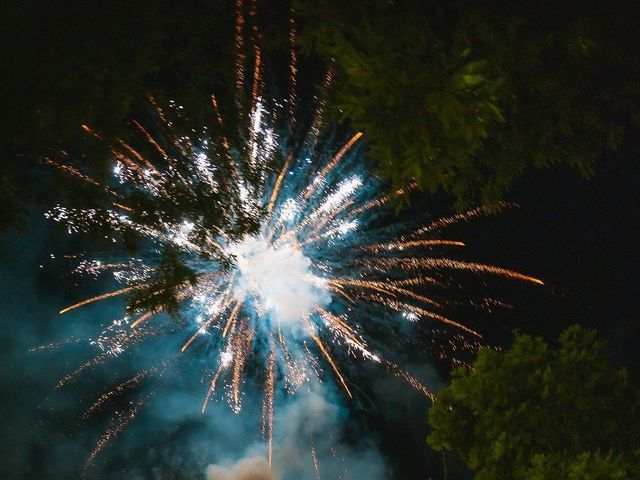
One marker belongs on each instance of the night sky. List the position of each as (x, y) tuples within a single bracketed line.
[(580, 235)]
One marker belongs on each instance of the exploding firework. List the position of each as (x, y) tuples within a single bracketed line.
[(271, 251)]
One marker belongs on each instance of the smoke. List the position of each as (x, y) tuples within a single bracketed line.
[(307, 445), (170, 438), (251, 468), (282, 277)]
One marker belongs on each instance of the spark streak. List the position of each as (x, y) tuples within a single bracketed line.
[(104, 296), (326, 354)]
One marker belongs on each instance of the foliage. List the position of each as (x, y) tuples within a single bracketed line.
[(465, 96), (586, 465), (84, 62), (94, 63), (161, 291), (534, 413)]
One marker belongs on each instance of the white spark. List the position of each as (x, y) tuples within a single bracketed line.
[(346, 188), (280, 277), (289, 210)]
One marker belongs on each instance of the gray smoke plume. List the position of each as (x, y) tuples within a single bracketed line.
[(307, 445), (251, 468)]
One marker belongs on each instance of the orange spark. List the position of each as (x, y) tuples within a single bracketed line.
[(332, 363), (101, 297)]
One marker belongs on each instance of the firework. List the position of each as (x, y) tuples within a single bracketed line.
[(275, 250)]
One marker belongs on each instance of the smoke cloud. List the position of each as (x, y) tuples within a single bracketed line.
[(251, 468), (307, 445), (282, 276)]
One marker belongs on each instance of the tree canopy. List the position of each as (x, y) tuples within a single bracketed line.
[(533, 412), (466, 96), (95, 63), (461, 96)]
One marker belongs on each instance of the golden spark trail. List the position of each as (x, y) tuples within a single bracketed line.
[(332, 363), (413, 295), (245, 338), (240, 56), (128, 162), (347, 332), (157, 108), (101, 297), (232, 317), (411, 380), (338, 156), (144, 317), (337, 321), (112, 432), (379, 202), (137, 154), (76, 173), (212, 388), (293, 68), (268, 406), (256, 76), (401, 245), (340, 290), (362, 284), (123, 207), (314, 131), (116, 391), (90, 131), (216, 110), (334, 161), (447, 263), (314, 457), (150, 139), (460, 217), (399, 306), (421, 280), (405, 307), (278, 184), (388, 287)]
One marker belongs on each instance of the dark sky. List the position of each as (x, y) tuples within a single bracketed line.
[(579, 236)]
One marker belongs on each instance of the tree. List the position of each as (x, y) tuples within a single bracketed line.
[(95, 63), (466, 96), (535, 413)]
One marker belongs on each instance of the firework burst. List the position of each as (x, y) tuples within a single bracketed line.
[(272, 251)]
